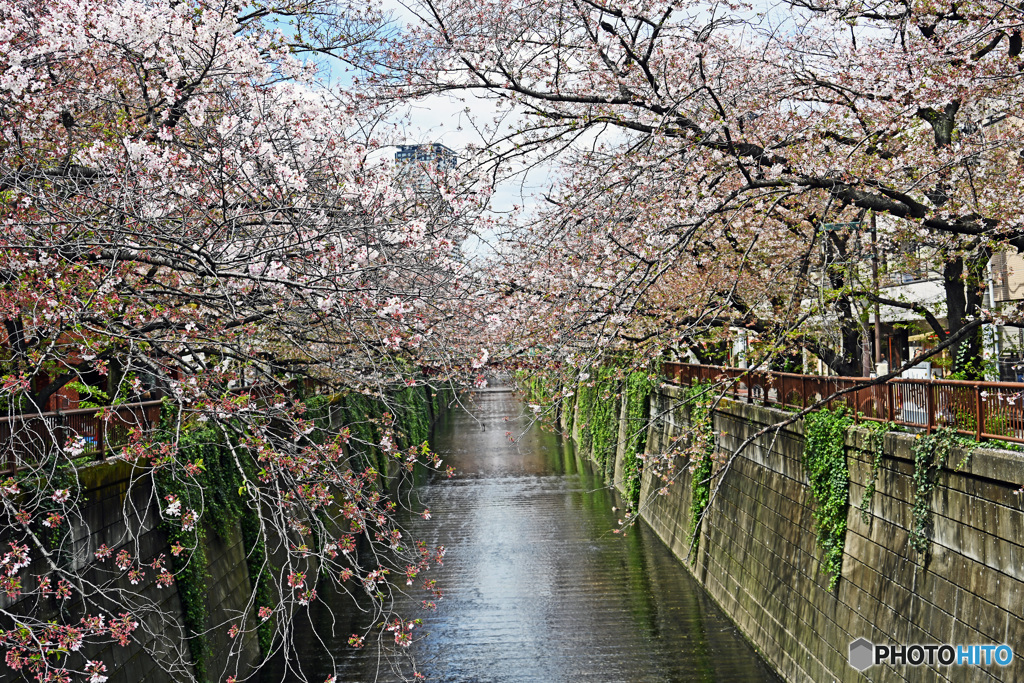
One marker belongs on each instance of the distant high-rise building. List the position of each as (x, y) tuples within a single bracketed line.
[(413, 160), (436, 153)]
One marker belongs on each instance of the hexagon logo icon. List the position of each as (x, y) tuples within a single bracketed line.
[(862, 654)]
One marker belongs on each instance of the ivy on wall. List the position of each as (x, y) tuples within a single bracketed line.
[(414, 416), (599, 416), (875, 443), (596, 403), (639, 385), (825, 462), (702, 435), (540, 388), (544, 389), (187, 540), (215, 487), (362, 414), (930, 451)]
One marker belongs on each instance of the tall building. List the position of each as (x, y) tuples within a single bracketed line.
[(413, 160)]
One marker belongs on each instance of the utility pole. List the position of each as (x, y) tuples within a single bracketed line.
[(990, 330), (874, 285), (866, 366)]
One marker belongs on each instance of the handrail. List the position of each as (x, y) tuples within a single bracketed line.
[(77, 411), (30, 437), (983, 410)]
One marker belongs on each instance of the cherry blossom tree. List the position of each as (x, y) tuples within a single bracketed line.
[(708, 146), (190, 211)]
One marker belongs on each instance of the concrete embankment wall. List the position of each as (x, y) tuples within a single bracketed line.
[(118, 508), (114, 512), (758, 556)]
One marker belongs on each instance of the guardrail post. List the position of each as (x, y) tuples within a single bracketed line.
[(100, 441), (890, 399), (978, 416), (929, 401)]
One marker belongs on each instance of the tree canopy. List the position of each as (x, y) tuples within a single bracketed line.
[(708, 144)]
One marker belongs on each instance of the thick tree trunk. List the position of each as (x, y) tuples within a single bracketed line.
[(964, 282)]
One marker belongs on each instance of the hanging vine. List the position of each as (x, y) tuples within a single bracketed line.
[(825, 462), (639, 386), (875, 442), (206, 479), (702, 432), (186, 537), (414, 416), (596, 404), (930, 451), (599, 412), (203, 481)]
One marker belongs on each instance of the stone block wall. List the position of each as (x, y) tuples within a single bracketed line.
[(111, 516), (759, 560), (125, 517)]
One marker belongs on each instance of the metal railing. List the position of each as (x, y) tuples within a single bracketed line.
[(29, 438), (82, 432), (983, 410)]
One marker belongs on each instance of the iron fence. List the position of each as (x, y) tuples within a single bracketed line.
[(983, 410), (83, 432), (26, 439)]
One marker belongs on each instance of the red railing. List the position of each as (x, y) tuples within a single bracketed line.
[(27, 439), (984, 410)]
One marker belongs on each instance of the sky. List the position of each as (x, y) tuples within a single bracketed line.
[(449, 120)]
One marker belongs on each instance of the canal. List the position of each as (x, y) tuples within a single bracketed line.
[(537, 587)]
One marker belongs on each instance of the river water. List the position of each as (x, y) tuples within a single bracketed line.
[(537, 588)]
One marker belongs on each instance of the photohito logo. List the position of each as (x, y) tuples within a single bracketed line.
[(864, 653)]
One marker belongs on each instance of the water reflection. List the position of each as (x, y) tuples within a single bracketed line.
[(537, 587)]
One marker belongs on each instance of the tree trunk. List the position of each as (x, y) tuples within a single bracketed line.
[(964, 282)]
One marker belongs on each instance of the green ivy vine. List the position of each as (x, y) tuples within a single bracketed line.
[(875, 442), (539, 387), (214, 488), (215, 491), (596, 404), (188, 543), (639, 385), (698, 397), (825, 462), (362, 415), (414, 416), (930, 451), (599, 412)]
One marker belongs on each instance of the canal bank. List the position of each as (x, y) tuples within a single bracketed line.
[(181, 626), (536, 585), (758, 556)]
